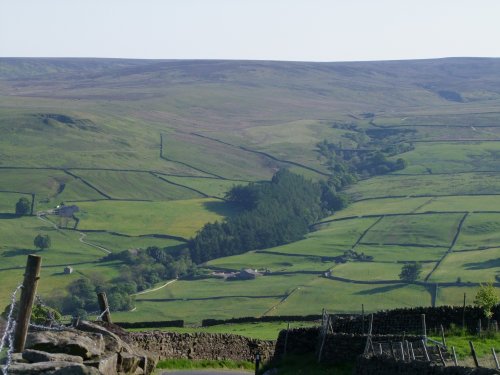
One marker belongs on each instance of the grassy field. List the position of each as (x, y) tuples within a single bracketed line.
[(200, 126), (176, 218)]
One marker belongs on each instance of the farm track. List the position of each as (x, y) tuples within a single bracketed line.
[(261, 153), (155, 289), (82, 240)]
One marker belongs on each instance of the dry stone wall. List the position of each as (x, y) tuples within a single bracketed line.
[(202, 345)]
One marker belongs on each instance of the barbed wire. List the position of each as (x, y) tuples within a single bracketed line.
[(10, 328)]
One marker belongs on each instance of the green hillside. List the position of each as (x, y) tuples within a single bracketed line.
[(147, 149)]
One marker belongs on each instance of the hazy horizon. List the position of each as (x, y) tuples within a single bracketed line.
[(273, 30)]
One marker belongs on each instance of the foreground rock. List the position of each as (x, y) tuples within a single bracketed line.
[(87, 349)]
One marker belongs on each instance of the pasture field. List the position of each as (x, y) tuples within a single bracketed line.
[(135, 185), (116, 243), (8, 202), (50, 186), (427, 184), (392, 253), (210, 186), (430, 230), (340, 297), (180, 218), (469, 266), (373, 271), (259, 330), (272, 262), (453, 157), (480, 230)]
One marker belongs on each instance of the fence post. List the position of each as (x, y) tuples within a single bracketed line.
[(257, 363), (454, 353), (473, 352), (286, 339), (441, 355), (463, 313), (495, 358), (402, 351), (362, 319), (426, 353), (424, 329), (442, 335), (103, 305), (31, 276)]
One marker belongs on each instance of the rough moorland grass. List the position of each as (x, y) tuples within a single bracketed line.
[(431, 229), (401, 185), (474, 266), (178, 218), (479, 230), (217, 158), (135, 185)]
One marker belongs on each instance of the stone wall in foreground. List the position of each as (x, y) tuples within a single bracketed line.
[(202, 345)]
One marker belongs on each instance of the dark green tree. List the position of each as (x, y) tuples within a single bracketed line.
[(42, 241), (410, 272), (23, 206)]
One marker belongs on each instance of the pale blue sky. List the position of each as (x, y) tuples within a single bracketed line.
[(313, 30)]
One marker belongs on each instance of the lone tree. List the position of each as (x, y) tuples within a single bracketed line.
[(410, 272), (42, 241), (486, 299), (23, 206)]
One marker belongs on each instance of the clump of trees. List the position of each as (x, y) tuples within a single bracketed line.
[(42, 241), (487, 298), (352, 255), (272, 214), (144, 268), (82, 297), (23, 206), (410, 272)]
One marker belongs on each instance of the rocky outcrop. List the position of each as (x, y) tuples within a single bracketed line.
[(87, 349)]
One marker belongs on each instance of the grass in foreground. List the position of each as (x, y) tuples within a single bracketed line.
[(186, 364)]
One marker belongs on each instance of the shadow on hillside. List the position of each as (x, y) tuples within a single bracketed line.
[(382, 289), (19, 252), (5, 215), (492, 263), (220, 207)]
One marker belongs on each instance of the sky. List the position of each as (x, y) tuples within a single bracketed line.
[(303, 30)]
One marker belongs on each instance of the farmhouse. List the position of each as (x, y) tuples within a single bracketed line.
[(68, 270), (66, 211)]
